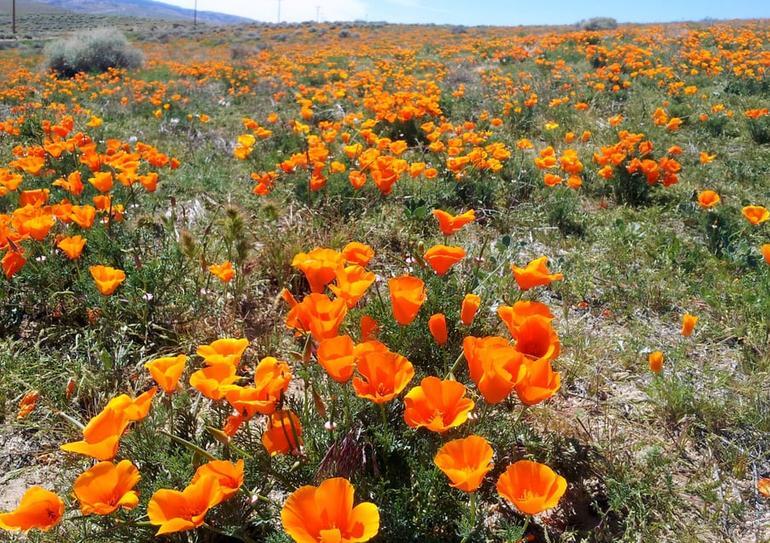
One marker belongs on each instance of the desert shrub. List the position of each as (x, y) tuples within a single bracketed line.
[(598, 23), (92, 51)]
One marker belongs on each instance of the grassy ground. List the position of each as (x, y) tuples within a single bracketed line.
[(674, 456)]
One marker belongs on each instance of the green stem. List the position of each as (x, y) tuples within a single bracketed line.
[(384, 416), (451, 372), (472, 519)]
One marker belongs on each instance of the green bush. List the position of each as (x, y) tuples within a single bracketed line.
[(92, 51)]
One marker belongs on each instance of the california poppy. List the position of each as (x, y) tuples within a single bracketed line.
[(224, 271), (39, 508), (271, 379), (708, 199), (319, 315), (27, 404), (407, 294), (531, 487), (655, 360), (470, 306), (229, 475), (755, 214), (513, 316), (765, 250), (175, 511), (495, 366), (369, 328), (336, 356), (351, 283), (443, 257), (437, 405), (107, 279), (465, 461), (688, 324), (382, 375), (535, 274), (536, 338), (326, 513), (539, 382), (437, 327), (12, 262), (214, 381), (449, 224), (283, 434), (319, 266), (72, 246), (107, 487), (357, 253), (223, 351), (167, 370)]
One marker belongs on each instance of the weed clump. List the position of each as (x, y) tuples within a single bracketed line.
[(92, 51)]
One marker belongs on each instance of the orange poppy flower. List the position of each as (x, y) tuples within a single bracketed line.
[(449, 224), (437, 405), (283, 434), (536, 338), (167, 370), (539, 383), (224, 271), (223, 351), (443, 257), (72, 246), (271, 379), (352, 282), (755, 214), (174, 511), (513, 316), (318, 315), (382, 375), (765, 250), (495, 366), (326, 514), (12, 262), (531, 487), (107, 279), (535, 274), (688, 324), (102, 181), (107, 487), (469, 308), (27, 404), (228, 475), (336, 356), (369, 328), (37, 227), (655, 360), (437, 327), (763, 487), (83, 216), (319, 266), (708, 199), (39, 508), (214, 381), (357, 253), (407, 294), (465, 461)]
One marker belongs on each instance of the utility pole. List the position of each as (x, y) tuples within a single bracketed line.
[(318, 14), (279, 11), (195, 14), (13, 17)]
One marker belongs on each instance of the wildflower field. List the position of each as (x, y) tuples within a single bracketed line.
[(314, 283)]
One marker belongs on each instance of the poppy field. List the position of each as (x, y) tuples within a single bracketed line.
[(322, 284)]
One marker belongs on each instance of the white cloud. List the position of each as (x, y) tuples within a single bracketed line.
[(291, 10)]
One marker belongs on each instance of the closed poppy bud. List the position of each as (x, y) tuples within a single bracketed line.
[(107, 487), (437, 405), (655, 360), (469, 308), (27, 404), (437, 327), (69, 390), (167, 370), (688, 324), (531, 487), (107, 279), (407, 294), (763, 487), (336, 357), (465, 462), (326, 513), (708, 199), (39, 508), (369, 328), (535, 274), (443, 257)]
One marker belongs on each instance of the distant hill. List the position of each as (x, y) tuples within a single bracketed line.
[(149, 9)]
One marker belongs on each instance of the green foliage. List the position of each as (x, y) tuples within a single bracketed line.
[(92, 51)]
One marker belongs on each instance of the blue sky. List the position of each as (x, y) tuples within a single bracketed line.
[(499, 12)]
